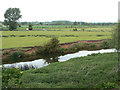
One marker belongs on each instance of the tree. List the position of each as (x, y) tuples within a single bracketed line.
[(75, 23), (12, 15), (41, 23)]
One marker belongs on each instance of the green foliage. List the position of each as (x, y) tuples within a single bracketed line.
[(18, 55), (12, 25), (83, 72), (75, 23), (106, 44), (50, 48), (62, 50), (116, 36), (5, 52), (77, 47), (92, 46), (11, 16), (74, 48), (110, 85), (30, 26), (75, 29), (10, 78)]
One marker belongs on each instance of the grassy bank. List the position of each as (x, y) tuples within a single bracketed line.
[(95, 71)]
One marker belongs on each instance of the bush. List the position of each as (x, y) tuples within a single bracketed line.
[(30, 27), (18, 55), (51, 47), (10, 78), (106, 44), (92, 46), (62, 50), (75, 29), (77, 47)]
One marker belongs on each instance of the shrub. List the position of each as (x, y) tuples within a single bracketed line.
[(106, 44), (18, 55), (75, 29), (10, 77), (51, 47), (92, 46), (77, 47), (62, 50), (30, 27), (74, 48)]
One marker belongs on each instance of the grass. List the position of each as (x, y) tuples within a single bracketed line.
[(93, 71), (35, 38)]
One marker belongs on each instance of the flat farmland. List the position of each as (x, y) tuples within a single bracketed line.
[(13, 39)]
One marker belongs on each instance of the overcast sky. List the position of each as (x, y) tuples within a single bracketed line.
[(73, 10)]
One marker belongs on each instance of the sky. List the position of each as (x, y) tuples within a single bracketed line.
[(71, 10)]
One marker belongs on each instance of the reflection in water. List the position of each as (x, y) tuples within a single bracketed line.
[(46, 59), (50, 58)]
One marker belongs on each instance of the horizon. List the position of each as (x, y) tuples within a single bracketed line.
[(69, 20)]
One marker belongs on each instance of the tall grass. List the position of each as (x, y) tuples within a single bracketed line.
[(99, 71)]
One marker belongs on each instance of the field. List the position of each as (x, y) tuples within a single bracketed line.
[(95, 71), (92, 71), (23, 38)]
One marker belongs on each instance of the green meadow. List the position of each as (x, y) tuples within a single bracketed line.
[(92, 71), (36, 37)]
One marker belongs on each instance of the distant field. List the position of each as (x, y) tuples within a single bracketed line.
[(65, 33), (67, 27), (12, 39)]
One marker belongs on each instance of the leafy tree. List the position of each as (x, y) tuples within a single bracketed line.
[(12, 15), (50, 47), (75, 23), (41, 23)]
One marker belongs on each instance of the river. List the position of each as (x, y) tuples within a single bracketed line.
[(44, 62)]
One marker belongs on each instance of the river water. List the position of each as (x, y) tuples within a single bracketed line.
[(44, 62)]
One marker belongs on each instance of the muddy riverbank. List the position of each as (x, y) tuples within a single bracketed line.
[(32, 50)]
